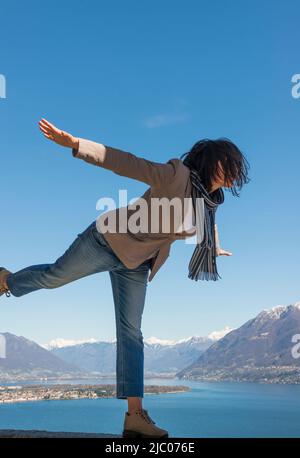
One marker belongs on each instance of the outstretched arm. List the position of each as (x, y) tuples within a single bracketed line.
[(116, 160)]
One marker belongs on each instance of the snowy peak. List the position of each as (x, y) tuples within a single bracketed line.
[(62, 343), (213, 336), (217, 335), (155, 341), (272, 314), (297, 305), (165, 342), (275, 313)]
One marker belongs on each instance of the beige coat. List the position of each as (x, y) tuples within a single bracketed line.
[(170, 179)]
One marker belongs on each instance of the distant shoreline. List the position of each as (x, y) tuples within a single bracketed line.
[(35, 393)]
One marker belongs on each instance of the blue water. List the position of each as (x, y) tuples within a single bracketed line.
[(208, 410)]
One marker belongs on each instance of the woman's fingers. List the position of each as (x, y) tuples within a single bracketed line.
[(53, 133), (47, 131), (43, 129), (47, 134), (224, 253), (49, 127), (46, 128), (44, 121), (43, 124)]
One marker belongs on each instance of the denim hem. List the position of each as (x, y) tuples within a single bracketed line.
[(125, 390), (11, 287)]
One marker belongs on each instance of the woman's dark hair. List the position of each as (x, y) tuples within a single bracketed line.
[(205, 155)]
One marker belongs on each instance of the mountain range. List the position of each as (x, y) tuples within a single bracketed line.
[(161, 357), (89, 358), (264, 349)]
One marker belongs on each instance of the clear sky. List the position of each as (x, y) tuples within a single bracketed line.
[(151, 78)]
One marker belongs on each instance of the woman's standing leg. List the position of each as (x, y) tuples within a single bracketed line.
[(129, 293)]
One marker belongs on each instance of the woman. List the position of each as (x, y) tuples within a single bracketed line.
[(129, 254)]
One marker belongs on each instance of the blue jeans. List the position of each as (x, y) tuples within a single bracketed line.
[(90, 253)]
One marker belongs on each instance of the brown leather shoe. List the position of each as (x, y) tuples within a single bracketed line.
[(140, 424), (3, 274)]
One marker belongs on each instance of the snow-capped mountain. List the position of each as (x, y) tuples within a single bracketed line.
[(261, 347), (161, 355), (155, 341), (217, 335), (61, 343)]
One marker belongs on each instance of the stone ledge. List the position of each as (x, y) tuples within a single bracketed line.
[(13, 433)]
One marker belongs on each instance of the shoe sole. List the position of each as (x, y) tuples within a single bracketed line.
[(6, 292), (128, 433)]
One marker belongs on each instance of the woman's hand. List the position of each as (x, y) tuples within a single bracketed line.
[(222, 252), (58, 136)]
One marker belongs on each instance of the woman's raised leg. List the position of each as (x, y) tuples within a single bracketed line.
[(88, 254)]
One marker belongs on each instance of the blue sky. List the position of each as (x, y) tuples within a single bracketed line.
[(151, 78)]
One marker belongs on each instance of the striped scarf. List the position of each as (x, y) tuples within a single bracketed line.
[(202, 265)]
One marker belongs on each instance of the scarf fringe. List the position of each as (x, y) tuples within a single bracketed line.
[(203, 268)]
